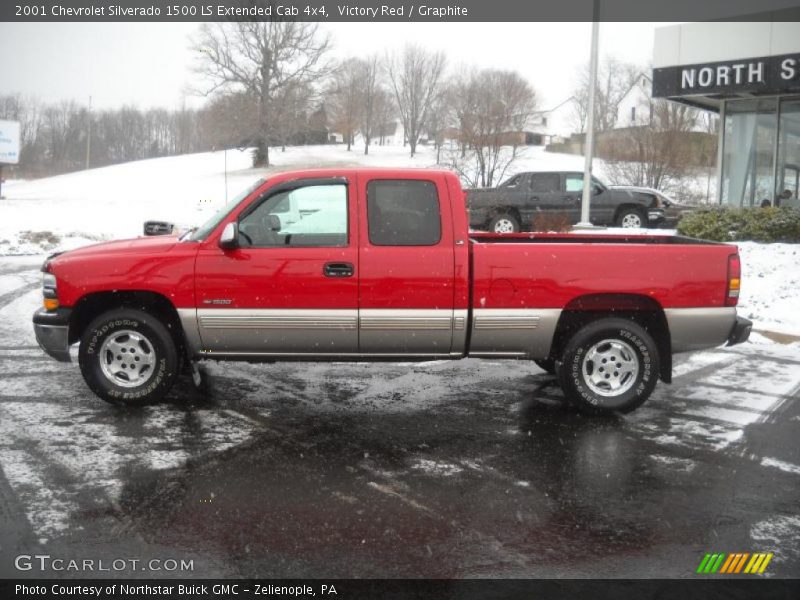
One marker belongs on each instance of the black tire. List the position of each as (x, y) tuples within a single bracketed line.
[(507, 222), (147, 352), (628, 216), (586, 382), (546, 364)]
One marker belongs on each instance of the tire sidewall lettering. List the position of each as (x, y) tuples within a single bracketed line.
[(644, 375)]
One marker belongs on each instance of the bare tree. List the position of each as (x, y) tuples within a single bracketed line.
[(659, 155), (416, 77), (492, 108), (370, 91), (262, 59), (384, 113), (345, 98), (614, 80), (438, 121)]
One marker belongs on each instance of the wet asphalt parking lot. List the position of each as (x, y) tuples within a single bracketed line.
[(473, 468)]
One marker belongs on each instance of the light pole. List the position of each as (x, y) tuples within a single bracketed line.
[(589, 145)]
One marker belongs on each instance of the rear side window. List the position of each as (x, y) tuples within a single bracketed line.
[(545, 182), (403, 213)]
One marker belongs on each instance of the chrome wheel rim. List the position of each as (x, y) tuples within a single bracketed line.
[(504, 226), (127, 358), (631, 220), (610, 368)]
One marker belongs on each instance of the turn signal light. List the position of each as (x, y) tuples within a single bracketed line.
[(734, 280), (50, 303)]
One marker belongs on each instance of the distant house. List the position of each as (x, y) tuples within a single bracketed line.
[(553, 125), (636, 107)]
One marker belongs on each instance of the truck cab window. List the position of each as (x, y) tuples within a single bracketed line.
[(403, 213), (309, 216), (544, 182), (513, 182)]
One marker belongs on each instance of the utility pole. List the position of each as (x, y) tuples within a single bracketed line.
[(589, 145), (89, 133)]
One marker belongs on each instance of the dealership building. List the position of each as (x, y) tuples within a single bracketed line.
[(749, 73)]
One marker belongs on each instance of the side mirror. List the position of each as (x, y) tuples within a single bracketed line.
[(273, 223), (230, 237)]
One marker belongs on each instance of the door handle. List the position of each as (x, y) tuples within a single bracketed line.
[(338, 269)]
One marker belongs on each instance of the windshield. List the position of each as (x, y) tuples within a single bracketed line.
[(202, 232)]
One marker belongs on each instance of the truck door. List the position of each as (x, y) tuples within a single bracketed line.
[(545, 194), (290, 287), (406, 265)]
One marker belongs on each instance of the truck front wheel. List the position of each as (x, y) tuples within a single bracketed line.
[(610, 365), (630, 218), (128, 357)]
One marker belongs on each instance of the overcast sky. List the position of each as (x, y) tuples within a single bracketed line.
[(149, 64)]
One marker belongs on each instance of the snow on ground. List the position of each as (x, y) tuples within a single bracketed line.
[(770, 284)]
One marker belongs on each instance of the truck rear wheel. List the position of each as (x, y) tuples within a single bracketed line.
[(608, 366), (504, 223), (128, 357)]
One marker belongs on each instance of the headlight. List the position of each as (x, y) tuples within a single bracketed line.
[(49, 291)]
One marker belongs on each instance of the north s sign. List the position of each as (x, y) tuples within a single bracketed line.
[(767, 75), (9, 142)]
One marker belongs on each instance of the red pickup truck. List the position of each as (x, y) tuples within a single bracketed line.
[(379, 264)]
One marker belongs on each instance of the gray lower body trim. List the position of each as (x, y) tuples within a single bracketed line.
[(338, 356), (376, 333), (512, 332), (405, 331), (188, 318), (278, 331), (699, 328)]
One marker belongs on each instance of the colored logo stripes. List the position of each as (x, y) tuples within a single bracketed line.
[(739, 562)]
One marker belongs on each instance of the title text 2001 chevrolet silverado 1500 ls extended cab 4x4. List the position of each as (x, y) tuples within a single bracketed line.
[(378, 264)]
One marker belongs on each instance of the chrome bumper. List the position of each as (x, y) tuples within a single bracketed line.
[(52, 332)]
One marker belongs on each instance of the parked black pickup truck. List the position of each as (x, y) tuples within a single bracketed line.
[(513, 205)]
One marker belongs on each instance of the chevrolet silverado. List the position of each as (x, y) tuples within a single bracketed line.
[(378, 264)]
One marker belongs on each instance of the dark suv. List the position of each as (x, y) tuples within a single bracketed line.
[(513, 205)]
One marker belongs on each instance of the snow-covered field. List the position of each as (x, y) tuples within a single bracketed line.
[(113, 202), (67, 211)]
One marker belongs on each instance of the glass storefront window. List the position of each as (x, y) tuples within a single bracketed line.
[(788, 172), (748, 168)]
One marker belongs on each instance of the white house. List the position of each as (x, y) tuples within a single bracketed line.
[(554, 124), (634, 110)]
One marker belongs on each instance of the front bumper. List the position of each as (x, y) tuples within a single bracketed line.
[(740, 331), (52, 332)]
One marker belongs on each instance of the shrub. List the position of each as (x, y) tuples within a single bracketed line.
[(770, 224), (552, 221)]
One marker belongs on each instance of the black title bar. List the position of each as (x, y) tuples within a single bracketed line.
[(700, 588), (398, 10)]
